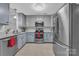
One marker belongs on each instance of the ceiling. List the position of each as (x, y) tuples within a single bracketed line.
[(27, 8)]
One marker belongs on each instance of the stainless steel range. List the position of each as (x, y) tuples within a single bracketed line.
[(39, 33)]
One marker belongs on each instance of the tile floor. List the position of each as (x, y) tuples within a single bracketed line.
[(32, 49)]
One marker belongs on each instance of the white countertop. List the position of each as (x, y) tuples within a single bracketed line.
[(4, 36)]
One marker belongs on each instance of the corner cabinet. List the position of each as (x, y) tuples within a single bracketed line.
[(4, 13)]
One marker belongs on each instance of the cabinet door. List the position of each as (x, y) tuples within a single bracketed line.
[(0, 47), (19, 41), (8, 51), (24, 38), (48, 37), (4, 13), (12, 50), (21, 20), (5, 50), (31, 37), (5, 47)]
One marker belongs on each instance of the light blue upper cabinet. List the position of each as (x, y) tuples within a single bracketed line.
[(4, 13)]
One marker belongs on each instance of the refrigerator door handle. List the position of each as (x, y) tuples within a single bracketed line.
[(64, 46)]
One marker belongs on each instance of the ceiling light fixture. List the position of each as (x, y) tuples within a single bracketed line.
[(39, 6), (14, 17)]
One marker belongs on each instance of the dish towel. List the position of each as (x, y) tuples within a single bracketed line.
[(11, 42), (38, 35)]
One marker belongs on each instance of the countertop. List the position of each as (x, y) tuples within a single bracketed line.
[(4, 36)]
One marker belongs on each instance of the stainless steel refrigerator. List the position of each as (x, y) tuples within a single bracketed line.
[(66, 30)]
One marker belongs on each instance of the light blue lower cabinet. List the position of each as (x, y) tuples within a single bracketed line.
[(30, 37), (4, 48), (19, 41), (12, 50), (48, 37), (0, 47), (24, 38)]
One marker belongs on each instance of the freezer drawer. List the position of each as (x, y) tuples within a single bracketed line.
[(60, 50)]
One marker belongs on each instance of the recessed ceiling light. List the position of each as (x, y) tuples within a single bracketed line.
[(39, 6), (14, 17)]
